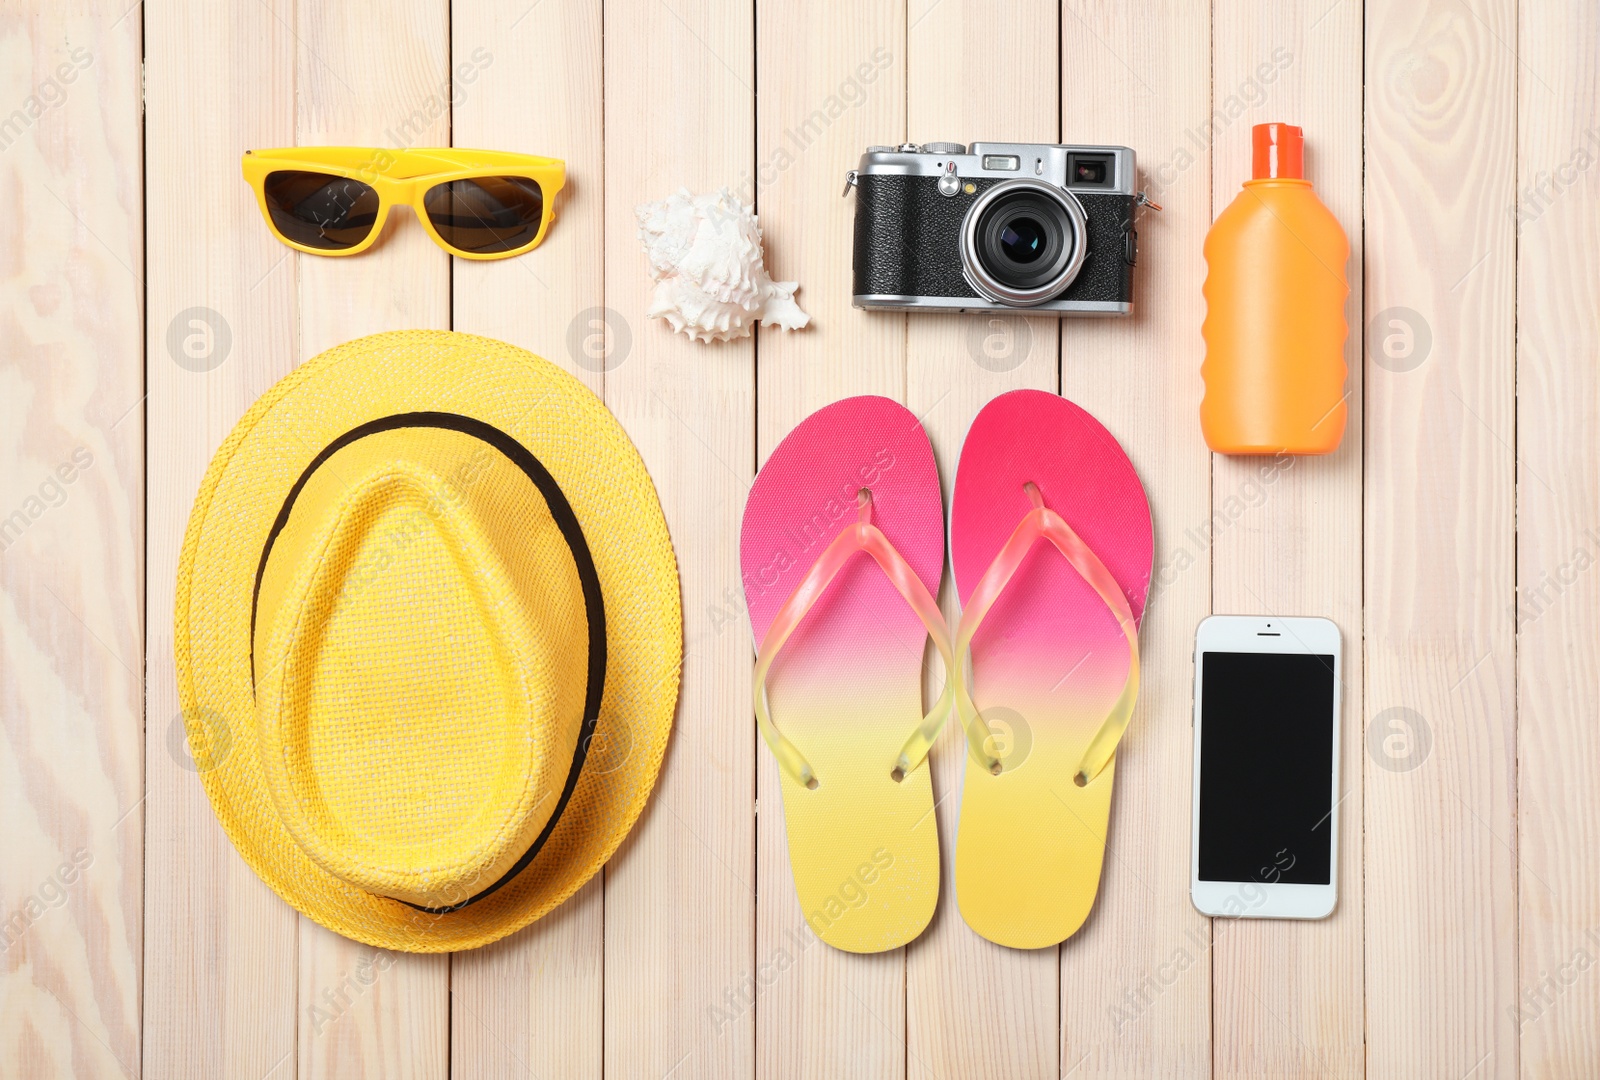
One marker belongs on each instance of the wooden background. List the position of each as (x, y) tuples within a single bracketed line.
[(1454, 536)]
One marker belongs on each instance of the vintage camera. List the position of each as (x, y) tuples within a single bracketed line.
[(942, 227)]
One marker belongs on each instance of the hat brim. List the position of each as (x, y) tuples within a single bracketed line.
[(585, 450)]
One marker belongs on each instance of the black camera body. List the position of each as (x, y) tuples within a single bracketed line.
[(1000, 226)]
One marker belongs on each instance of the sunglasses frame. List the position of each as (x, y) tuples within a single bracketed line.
[(403, 178)]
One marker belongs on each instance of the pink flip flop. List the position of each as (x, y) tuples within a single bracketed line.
[(841, 553), (1051, 545)]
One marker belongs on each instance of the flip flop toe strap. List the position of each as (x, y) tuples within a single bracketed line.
[(863, 536), (1042, 523)]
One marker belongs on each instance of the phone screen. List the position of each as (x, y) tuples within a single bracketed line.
[(1266, 767)]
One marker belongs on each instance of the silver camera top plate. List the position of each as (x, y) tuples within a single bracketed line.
[(994, 160)]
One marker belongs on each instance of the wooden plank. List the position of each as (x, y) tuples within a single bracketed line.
[(832, 80), (972, 1007), (680, 904), (528, 79), (71, 543), (1135, 996), (533, 1003), (1558, 543), (1287, 995), (1441, 875), (382, 81), (219, 946)]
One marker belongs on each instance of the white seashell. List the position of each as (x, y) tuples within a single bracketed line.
[(711, 282)]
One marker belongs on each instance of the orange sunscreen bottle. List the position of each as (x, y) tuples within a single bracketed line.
[(1275, 328)]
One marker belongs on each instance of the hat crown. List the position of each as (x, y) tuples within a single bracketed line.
[(415, 617)]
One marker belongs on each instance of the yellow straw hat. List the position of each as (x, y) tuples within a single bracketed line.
[(428, 638)]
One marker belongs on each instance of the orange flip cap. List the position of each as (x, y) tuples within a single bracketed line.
[(1278, 152)]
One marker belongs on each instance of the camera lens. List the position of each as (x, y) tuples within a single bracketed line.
[(1023, 242), (1022, 239)]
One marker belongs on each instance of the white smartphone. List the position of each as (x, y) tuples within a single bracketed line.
[(1266, 767)]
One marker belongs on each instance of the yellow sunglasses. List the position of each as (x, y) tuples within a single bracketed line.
[(333, 200)]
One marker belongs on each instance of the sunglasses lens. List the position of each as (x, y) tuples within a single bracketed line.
[(486, 214), (320, 211)]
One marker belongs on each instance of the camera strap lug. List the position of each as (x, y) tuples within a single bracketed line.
[(1144, 200), (849, 182)]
